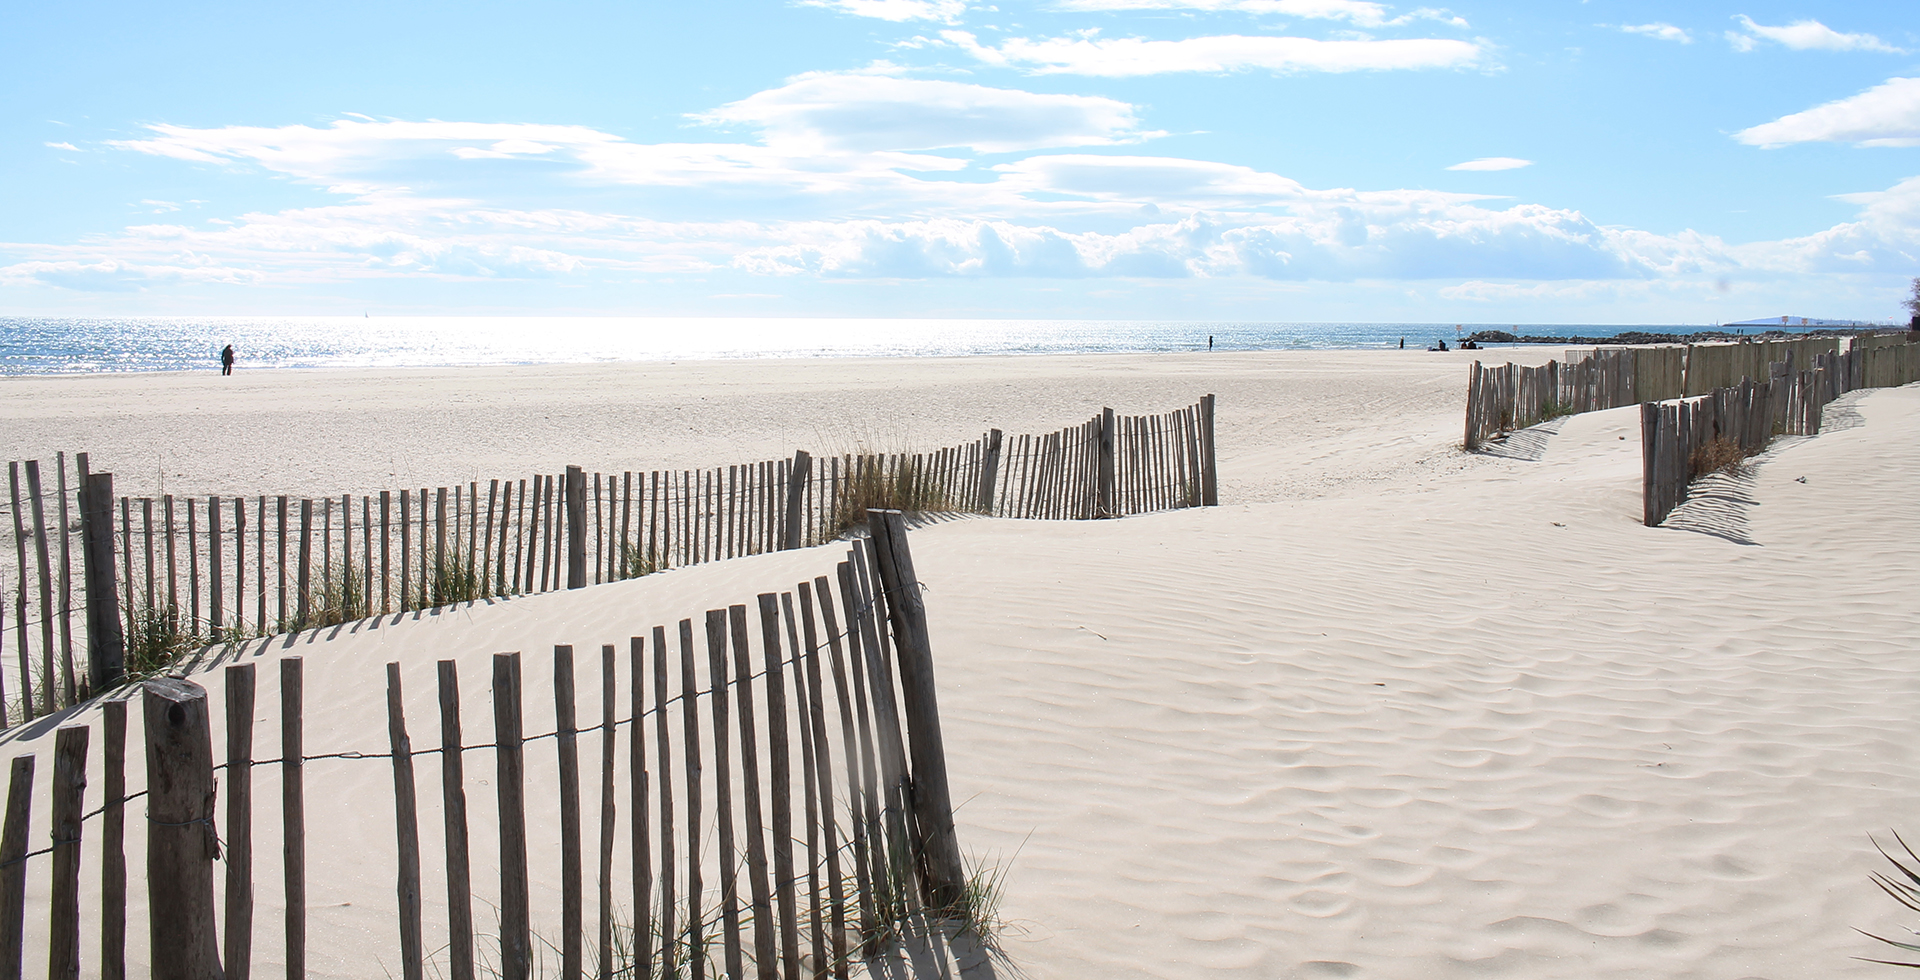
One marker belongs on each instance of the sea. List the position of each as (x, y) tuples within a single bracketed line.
[(90, 345)]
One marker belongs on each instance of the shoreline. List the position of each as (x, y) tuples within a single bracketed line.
[(322, 432)]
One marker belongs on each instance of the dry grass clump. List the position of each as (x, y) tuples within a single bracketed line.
[(886, 483), (1905, 889), (1719, 455)]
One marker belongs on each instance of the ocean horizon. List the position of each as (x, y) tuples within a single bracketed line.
[(92, 345)]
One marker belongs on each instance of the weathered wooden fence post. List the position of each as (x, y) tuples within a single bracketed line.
[(1649, 454), (406, 817), (293, 812), (932, 800), (516, 935), (106, 643), (13, 867), (69, 794), (797, 475), (990, 471), (1209, 473), (239, 911), (1108, 442), (181, 845), (576, 492)]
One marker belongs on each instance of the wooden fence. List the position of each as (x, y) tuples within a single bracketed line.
[(1686, 438), (1511, 396), (784, 801), (186, 571)]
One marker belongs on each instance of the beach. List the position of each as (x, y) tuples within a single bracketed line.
[(1391, 710)]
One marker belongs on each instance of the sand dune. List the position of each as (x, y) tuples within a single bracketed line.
[(1392, 711)]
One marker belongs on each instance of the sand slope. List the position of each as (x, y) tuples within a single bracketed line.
[(1409, 713)]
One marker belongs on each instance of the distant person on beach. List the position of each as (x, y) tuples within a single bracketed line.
[(1403, 343), (1209, 341), (226, 360)]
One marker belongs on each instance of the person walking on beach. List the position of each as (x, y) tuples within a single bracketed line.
[(226, 360)]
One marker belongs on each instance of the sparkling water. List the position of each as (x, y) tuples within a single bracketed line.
[(81, 345)]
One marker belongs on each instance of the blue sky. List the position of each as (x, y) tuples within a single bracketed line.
[(1197, 159)]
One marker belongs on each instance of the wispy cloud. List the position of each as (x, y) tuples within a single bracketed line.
[(1660, 31), (872, 112), (1886, 115), (1804, 35), (1360, 13), (897, 11), (1088, 54), (64, 146), (1493, 163)]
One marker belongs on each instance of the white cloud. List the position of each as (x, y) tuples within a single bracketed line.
[(841, 186), (873, 112), (64, 146), (1360, 13), (1087, 54), (897, 11), (1804, 35), (1326, 244), (1493, 163), (1660, 31), (1886, 115)]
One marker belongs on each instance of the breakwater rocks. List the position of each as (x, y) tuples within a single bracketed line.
[(1642, 337)]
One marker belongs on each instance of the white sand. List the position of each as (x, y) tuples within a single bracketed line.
[(1393, 711)]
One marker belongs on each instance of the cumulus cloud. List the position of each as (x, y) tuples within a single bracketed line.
[(1804, 35), (1088, 54), (1886, 115), (835, 192), (1334, 243), (119, 276), (872, 112), (897, 11), (1660, 31), (1360, 13), (1493, 163)]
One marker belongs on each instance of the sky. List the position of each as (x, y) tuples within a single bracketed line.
[(1549, 161)]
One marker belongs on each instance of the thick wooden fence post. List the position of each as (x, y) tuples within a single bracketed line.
[(106, 643), (1108, 443), (932, 800), (113, 852), (69, 795), (990, 471), (796, 499), (1209, 471), (181, 845), (13, 868), (576, 493), (516, 951)]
